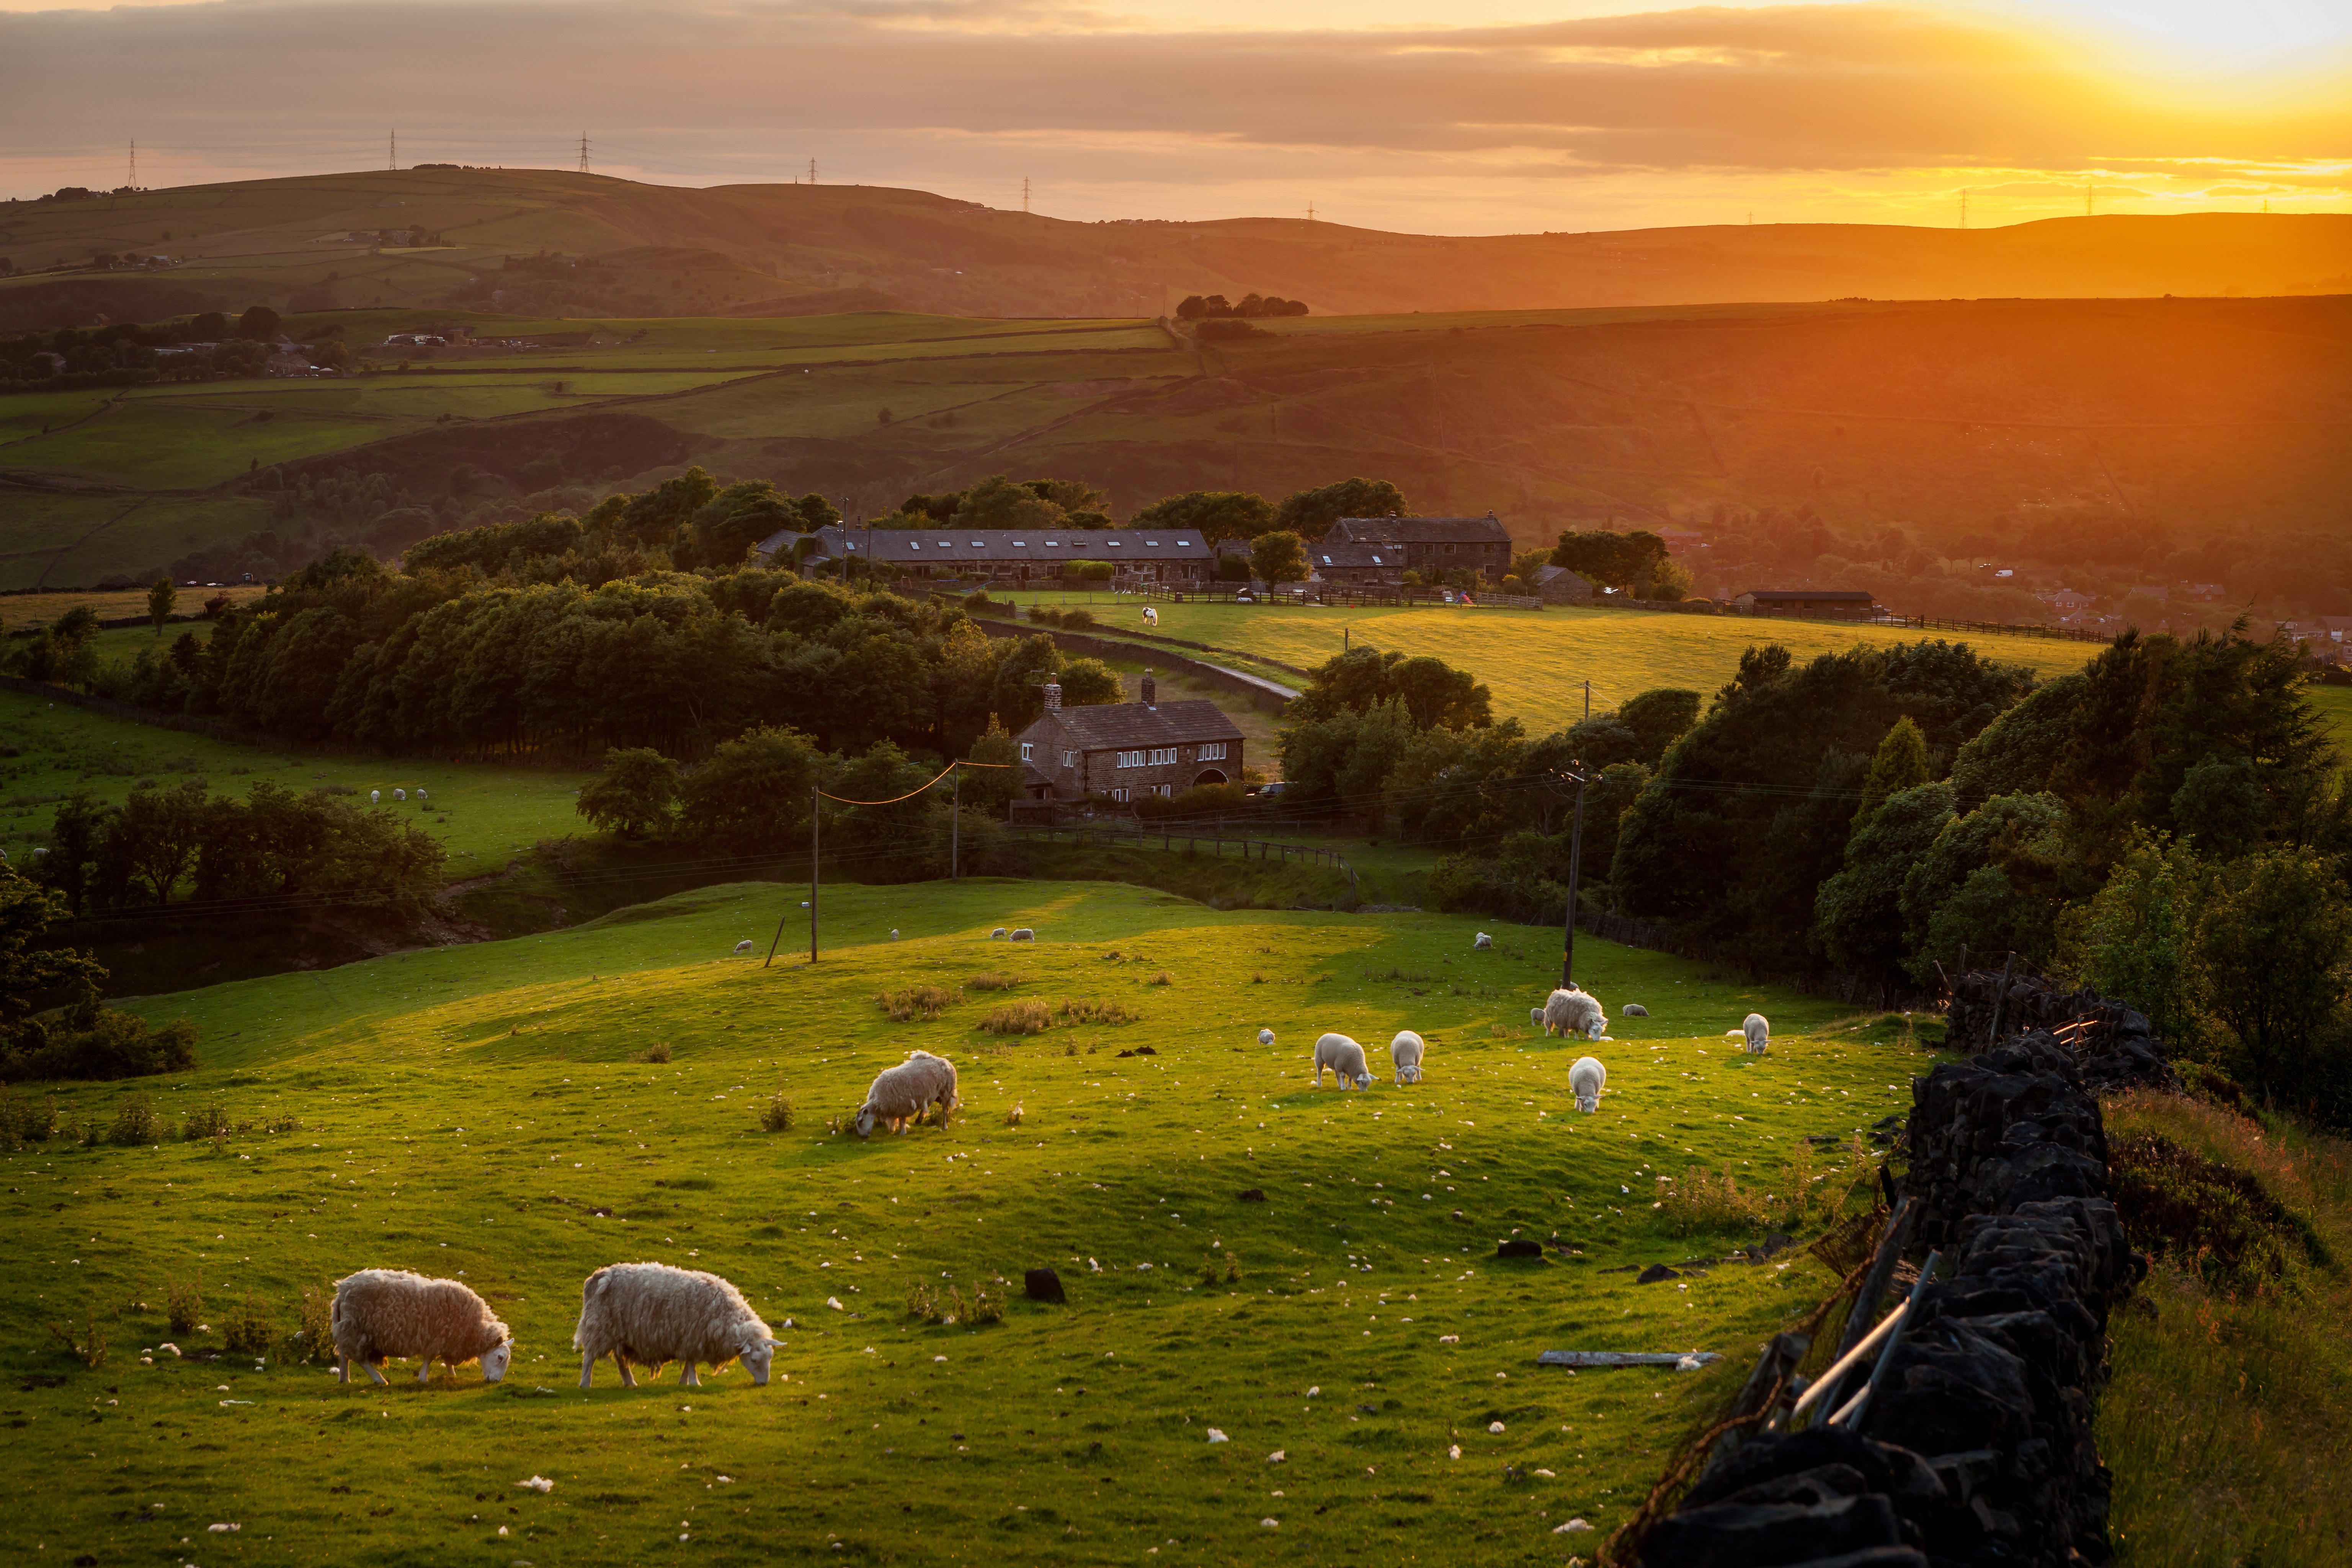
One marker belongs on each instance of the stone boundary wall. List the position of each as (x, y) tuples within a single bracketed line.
[(1978, 1448)]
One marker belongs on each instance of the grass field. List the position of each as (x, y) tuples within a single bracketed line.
[(485, 814), (1369, 1336)]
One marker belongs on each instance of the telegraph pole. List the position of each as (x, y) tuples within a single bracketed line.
[(583, 151), (133, 181), (955, 826), (1575, 865)]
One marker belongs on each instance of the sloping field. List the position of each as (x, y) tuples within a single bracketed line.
[(478, 1113)]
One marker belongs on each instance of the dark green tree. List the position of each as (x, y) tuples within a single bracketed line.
[(259, 322), (1277, 558), (1612, 560), (1216, 514), (1310, 513), (159, 600), (1899, 764), (753, 792), (1639, 731), (1858, 912), (2273, 943), (635, 794), (29, 968)]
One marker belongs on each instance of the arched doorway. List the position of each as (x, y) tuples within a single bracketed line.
[(1209, 776)]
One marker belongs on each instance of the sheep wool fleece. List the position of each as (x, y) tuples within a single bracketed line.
[(384, 1312), (653, 1313)]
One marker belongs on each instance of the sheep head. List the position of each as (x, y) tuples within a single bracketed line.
[(496, 1360), (1597, 1030), (1587, 1103), (865, 1119), (755, 1355)]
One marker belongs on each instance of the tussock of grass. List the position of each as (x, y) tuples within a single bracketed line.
[(776, 1115), (1707, 1202), (656, 1052), (2226, 1413), (1026, 1017), (1092, 1011), (992, 981), (910, 1003), (1162, 978)]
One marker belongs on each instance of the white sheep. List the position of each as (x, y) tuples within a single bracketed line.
[(420, 793), (1405, 1052), (1482, 940), (1346, 1060), (744, 946), (1265, 1037), (901, 1094), (652, 1314), (1757, 1028), (1586, 1080), (378, 1313), (400, 795), (999, 934), (1573, 1012), (1023, 933), (1534, 1017), (894, 933), (1636, 1010), (375, 797)]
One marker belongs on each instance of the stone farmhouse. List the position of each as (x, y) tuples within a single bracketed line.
[(1432, 545), (1127, 749), (1139, 557)]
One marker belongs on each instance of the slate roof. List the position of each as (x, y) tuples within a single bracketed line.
[(1331, 552), (1124, 726), (945, 546), (1419, 531)]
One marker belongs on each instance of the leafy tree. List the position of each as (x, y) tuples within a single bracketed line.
[(1278, 558), (1612, 560), (727, 526), (28, 967), (259, 322), (159, 600), (635, 793), (161, 832), (1858, 912), (1993, 880), (753, 793), (1899, 764), (656, 517), (884, 837), (988, 788), (1217, 514), (1310, 513), (1670, 582), (1075, 496), (2136, 938), (998, 502), (1639, 731), (2273, 943), (1344, 761), (2017, 752), (207, 326), (1192, 308), (1431, 692), (1088, 682)]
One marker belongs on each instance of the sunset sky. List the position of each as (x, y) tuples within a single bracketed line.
[(1487, 116)]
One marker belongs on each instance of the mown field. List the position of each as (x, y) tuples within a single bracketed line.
[(485, 814), (476, 1112)]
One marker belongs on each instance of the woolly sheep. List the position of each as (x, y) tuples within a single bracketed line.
[(1759, 1030), (400, 795), (999, 934), (1404, 1052), (1574, 1011), (652, 1314), (1586, 1080), (383, 1312), (744, 946), (1346, 1060), (375, 797), (894, 933), (1636, 1010), (1482, 940), (420, 791), (1265, 1037), (901, 1094), (1023, 933)]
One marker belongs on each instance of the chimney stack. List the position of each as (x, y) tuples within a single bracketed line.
[(1151, 688), (1053, 695)]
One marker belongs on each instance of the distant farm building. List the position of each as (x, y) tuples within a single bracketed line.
[(1856, 603), (1137, 557), (1362, 565), (1558, 585), (1433, 546), (1128, 749)]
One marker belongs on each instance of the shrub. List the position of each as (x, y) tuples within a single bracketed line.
[(249, 1329), (100, 1044), (24, 1122), (1044, 616), (992, 981), (1162, 978), (1704, 1202), (135, 1122), (313, 1339), (2217, 1220), (1012, 1117), (1028, 1017), (987, 1306), (1233, 1268), (1078, 620), (183, 1303), (206, 1121), (656, 1052), (925, 1002), (776, 1115), (86, 1344)]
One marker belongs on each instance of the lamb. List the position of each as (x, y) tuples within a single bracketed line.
[(375, 797), (1265, 1037), (400, 795), (1586, 1080), (1346, 1060), (901, 1094), (894, 933), (420, 794), (744, 946), (1573, 1012), (1759, 1030), (383, 1312), (1482, 940), (1404, 1052), (651, 1313), (1024, 933), (1636, 1010), (999, 934)]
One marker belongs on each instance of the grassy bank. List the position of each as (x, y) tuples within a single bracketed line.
[(478, 1109)]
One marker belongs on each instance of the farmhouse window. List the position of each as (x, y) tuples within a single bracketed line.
[(1122, 796), (1214, 752), (1028, 749), (1069, 758)]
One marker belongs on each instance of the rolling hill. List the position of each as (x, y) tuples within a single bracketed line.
[(430, 235)]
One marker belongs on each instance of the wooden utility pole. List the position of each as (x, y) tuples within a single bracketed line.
[(1575, 865)]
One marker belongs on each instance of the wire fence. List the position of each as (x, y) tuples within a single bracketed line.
[(1188, 840)]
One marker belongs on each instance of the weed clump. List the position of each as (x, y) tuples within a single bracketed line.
[(926, 1002), (183, 1303), (1099, 1013), (249, 1330), (1012, 1117), (776, 1116), (656, 1052), (86, 1344), (948, 1306), (2212, 1218), (26, 1122), (1029, 1016), (992, 981), (1703, 1201), (135, 1122), (1162, 978), (313, 1339), (206, 1121)]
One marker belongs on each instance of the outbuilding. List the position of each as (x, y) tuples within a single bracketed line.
[(1128, 749)]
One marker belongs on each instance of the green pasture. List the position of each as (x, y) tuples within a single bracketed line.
[(1537, 662), (139, 534), (163, 446), (485, 814), (2335, 705), (1364, 1344), (25, 415)]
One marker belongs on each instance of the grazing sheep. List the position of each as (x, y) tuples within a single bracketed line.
[(1404, 1052), (901, 1094), (744, 946), (383, 1312), (1636, 1010), (1265, 1037), (375, 797), (1586, 1080), (1482, 940), (1346, 1060), (999, 934), (894, 933), (400, 795), (1574, 1011), (1023, 933), (1759, 1030), (652, 1314), (420, 793), (1534, 1017)]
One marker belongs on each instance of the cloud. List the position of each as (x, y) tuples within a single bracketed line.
[(943, 93)]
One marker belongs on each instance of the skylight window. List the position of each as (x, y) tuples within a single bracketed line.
[(913, 544), (1152, 541), (1020, 543), (1114, 544), (944, 543)]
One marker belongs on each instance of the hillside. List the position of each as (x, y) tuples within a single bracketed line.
[(443, 235), (2123, 447)]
